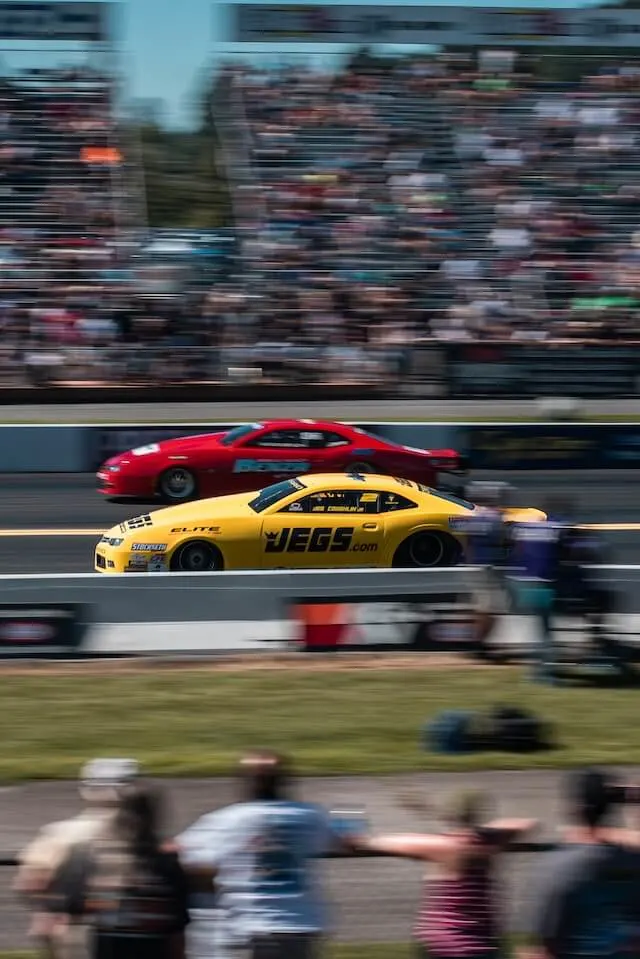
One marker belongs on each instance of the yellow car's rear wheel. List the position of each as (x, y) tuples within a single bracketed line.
[(426, 550), (197, 556)]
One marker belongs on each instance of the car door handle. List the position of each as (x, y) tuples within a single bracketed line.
[(370, 526)]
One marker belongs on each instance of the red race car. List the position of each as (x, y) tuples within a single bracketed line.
[(255, 455)]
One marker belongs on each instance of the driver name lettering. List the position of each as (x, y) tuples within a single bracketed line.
[(271, 466), (303, 539)]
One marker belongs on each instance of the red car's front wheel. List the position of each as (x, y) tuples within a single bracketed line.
[(177, 485)]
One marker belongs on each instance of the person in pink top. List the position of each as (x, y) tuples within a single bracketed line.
[(459, 914)]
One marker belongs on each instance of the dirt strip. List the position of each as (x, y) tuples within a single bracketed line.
[(319, 662)]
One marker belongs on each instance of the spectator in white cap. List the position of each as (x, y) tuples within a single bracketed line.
[(102, 782)]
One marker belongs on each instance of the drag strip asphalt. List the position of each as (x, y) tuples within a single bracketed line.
[(51, 522)]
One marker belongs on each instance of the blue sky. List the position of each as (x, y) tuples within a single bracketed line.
[(168, 43)]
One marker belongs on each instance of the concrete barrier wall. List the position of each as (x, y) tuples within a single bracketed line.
[(526, 446), (206, 597), (43, 449)]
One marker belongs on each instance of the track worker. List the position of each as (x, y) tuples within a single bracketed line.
[(536, 551), (260, 854), (460, 912), (102, 783), (486, 545)]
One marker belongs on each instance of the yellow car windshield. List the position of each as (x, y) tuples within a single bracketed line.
[(272, 494)]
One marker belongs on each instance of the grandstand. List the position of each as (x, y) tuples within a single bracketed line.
[(478, 206), (66, 210)]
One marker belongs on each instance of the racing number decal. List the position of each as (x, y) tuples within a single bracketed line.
[(304, 539), (139, 522)]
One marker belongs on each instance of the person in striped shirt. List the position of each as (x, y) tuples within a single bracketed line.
[(459, 915)]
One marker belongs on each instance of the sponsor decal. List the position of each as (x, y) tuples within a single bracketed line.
[(271, 466), (138, 562), (460, 522), (50, 631), (30, 633), (157, 564), (149, 547), (139, 522), (303, 539), (145, 450), (195, 529)]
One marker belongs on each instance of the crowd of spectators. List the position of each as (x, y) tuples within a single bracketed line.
[(448, 198), (385, 204), (242, 881)]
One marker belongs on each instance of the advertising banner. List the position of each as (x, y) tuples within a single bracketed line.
[(550, 446), (41, 631), (437, 25), (77, 22), (440, 623), (515, 371)]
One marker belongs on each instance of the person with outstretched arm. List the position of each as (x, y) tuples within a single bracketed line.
[(459, 915)]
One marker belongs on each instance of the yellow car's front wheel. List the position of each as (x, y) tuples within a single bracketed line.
[(427, 549), (197, 556)]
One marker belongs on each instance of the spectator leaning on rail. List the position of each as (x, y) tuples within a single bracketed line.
[(587, 903), (128, 886), (259, 853), (460, 914), (102, 782)]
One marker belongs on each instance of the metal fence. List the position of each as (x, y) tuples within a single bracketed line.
[(372, 898), (459, 371)]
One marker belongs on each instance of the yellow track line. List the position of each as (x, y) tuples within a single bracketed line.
[(8, 533), (19, 533), (613, 527)]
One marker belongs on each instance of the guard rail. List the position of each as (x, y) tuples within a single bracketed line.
[(206, 597), (248, 595)]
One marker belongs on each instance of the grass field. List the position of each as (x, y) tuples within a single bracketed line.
[(340, 720)]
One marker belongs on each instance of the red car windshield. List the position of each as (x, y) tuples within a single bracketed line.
[(238, 432)]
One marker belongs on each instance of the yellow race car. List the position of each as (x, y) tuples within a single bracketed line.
[(319, 521)]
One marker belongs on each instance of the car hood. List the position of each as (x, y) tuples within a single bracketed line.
[(202, 513), (177, 446)]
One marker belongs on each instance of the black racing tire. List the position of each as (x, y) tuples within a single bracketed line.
[(428, 549), (364, 468), (177, 485), (197, 556)]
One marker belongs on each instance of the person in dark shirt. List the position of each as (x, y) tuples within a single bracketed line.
[(129, 887), (587, 904)]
